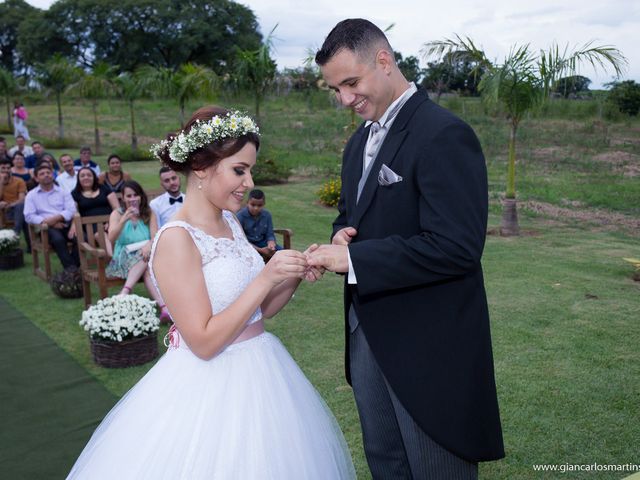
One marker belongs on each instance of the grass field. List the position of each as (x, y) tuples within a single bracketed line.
[(564, 308)]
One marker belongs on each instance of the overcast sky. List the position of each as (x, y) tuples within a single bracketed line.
[(493, 24)]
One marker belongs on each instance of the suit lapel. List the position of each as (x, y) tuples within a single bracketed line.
[(353, 170), (392, 143)]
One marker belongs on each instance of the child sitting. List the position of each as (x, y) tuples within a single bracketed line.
[(258, 226)]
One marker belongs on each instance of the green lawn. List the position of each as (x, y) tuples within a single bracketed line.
[(564, 308)]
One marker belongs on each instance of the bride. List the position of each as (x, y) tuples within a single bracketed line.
[(226, 401)]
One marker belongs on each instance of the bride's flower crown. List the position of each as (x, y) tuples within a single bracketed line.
[(232, 125)]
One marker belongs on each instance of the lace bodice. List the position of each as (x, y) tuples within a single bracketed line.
[(228, 265)]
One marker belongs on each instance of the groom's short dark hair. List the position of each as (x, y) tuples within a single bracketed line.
[(355, 34)]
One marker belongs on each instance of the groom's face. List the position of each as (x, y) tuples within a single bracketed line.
[(361, 85)]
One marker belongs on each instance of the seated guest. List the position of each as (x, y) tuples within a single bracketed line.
[(12, 194), (91, 197), (68, 178), (258, 226), (21, 171), (131, 230), (4, 154), (166, 205), (32, 161), (49, 204), (85, 160), (21, 147), (47, 157), (114, 177)]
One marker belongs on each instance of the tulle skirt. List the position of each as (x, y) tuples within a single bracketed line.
[(249, 413)]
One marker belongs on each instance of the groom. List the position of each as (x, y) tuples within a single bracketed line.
[(410, 233)]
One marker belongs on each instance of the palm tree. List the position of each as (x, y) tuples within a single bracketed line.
[(8, 88), (255, 70), (130, 87), (96, 85), (56, 75), (184, 84), (519, 84)]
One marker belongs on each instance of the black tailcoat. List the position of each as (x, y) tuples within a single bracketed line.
[(420, 293)]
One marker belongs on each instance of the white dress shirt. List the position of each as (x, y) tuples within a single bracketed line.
[(67, 182), (163, 208)]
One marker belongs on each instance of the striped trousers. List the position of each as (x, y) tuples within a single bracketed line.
[(395, 446)]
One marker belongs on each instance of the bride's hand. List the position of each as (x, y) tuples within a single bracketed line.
[(285, 264)]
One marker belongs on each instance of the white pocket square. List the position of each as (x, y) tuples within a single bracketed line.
[(387, 177)]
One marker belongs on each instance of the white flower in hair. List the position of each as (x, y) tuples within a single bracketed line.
[(232, 125)]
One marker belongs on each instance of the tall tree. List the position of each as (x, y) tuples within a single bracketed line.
[(188, 82), (519, 84), (56, 75), (625, 96), (8, 87), (410, 67), (453, 74), (95, 85), (130, 87), (130, 33), (12, 14), (571, 85), (255, 70)]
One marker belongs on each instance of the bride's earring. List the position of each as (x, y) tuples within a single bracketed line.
[(200, 185)]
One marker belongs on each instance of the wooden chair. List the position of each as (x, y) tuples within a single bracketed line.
[(286, 233), (94, 256), (39, 235)]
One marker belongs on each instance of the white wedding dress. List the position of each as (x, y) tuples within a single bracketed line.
[(248, 413)]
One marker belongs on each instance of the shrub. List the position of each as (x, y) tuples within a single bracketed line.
[(127, 154), (268, 172), (626, 96), (60, 143), (329, 193)]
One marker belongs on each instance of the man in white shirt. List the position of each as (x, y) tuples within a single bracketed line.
[(167, 205), (21, 146), (68, 178)]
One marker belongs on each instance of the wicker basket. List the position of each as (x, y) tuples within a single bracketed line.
[(127, 353), (12, 260), (67, 284)]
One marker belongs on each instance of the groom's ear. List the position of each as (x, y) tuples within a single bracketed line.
[(386, 60)]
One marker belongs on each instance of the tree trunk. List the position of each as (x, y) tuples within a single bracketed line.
[(9, 120), (509, 226), (511, 165), (134, 137), (257, 99), (60, 124), (95, 126)]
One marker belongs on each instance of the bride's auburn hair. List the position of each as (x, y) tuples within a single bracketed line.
[(209, 155)]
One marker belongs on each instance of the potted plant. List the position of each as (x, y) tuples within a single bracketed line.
[(10, 252), (122, 330)]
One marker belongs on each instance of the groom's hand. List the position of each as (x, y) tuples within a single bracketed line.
[(332, 257), (344, 236), (312, 274)]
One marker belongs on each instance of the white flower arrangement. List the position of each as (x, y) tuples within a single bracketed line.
[(9, 241), (233, 125), (120, 317)]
